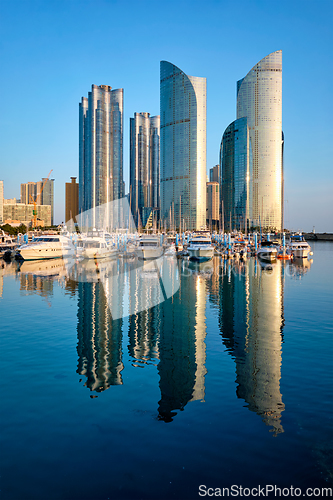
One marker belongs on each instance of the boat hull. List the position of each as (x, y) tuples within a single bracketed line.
[(93, 253), (40, 253), (149, 253), (301, 253)]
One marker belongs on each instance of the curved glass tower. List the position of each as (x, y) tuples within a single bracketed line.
[(259, 99), (183, 148), (236, 163)]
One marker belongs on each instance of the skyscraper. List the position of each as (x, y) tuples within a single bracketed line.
[(214, 174), (259, 101), (100, 147), (213, 205), (236, 162), (1, 201), (71, 199), (47, 195), (144, 164), (28, 191), (183, 148), (34, 191)]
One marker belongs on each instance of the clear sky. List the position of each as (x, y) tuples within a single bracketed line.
[(52, 51)]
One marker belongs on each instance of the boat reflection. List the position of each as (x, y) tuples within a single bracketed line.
[(38, 276), (298, 267)]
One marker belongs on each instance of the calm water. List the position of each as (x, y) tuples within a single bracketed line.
[(227, 382)]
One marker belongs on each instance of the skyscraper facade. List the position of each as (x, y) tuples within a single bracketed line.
[(71, 199), (214, 174), (1, 201), (236, 161), (28, 191), (255, 162), (213, 205), (47, 194), (183, 148), (144, 164), (34, 191), (100, 147)]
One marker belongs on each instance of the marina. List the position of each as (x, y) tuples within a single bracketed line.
[(164, 390)]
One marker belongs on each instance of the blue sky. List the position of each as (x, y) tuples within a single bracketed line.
[(53, 51)]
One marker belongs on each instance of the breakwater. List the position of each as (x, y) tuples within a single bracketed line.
[(318, 236)]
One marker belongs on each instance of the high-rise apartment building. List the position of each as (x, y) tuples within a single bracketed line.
[(47, 194), (28, 192), (144, 165), (214, 174), (34, 191), (213, 205), (236, 167), (1, 201), (101, 147), (183, 148), (71, 199), (252, 153)]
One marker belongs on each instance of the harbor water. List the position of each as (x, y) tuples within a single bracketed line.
[(226, 380)]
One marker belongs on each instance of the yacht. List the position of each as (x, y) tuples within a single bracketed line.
[(7, 243), (267, 252), (46, 246), (150, 247), (200, 246), (95, 246), (299, 247)]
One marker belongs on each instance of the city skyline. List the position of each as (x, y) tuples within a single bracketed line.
[(53, 54)]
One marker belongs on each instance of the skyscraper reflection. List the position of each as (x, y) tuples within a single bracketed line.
[(99, 337), (251, 322), (182, 347)]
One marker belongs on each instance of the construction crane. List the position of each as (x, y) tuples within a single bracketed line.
[(35, 202)]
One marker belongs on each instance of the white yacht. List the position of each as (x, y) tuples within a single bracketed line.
[(200, 246), (150, 247), (46, 246), (299, 248), (267, 252), (95, 246)]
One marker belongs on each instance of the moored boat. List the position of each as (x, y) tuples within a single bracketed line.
[(267, 252), (200, 246), (96, 246), (299, 247), (149, 247), (44, 247)]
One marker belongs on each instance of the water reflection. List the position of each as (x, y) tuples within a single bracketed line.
[(168, 329), (99, 339), (182, 347), (251, 322)]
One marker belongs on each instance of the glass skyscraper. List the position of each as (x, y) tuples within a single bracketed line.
[(259, 101), (183, 148), (144, 165), (100, 147), (236, 161)]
